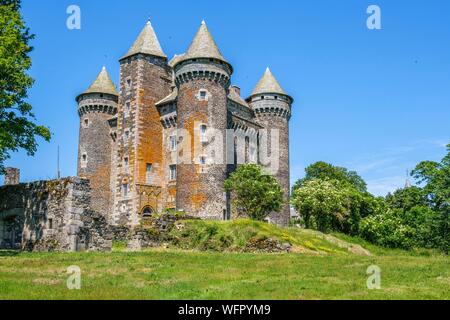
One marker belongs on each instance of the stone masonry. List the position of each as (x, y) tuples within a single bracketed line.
[(51, 216), (12, 176)]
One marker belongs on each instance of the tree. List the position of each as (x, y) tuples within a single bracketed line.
[(397, 228), (320, 203), (407, 198), (436, 177), (255, 193), (322, 178), (322, 170), (17, 127)]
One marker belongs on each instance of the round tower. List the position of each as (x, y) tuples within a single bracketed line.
[(202, 76), (96, 106), (272, 107)]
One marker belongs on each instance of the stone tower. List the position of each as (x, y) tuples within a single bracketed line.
[(145, 78), (272, 107), (202, 77), (95, 107)]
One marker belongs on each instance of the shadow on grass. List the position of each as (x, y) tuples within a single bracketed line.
[(9, 253)]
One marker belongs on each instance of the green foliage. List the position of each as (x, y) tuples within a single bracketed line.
[(17, 129), (407, 198), (436, 177), (399, 228), (320, 203), (255, 193), (325, 171), (333, 205)]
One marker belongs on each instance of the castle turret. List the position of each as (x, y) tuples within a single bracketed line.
[(96, 106), (272, 107), (202, 76), (145, 78)]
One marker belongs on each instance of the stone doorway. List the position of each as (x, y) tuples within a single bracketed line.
[(147, 212), (10, 233)]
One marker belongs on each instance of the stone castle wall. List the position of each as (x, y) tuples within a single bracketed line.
[(51, 216)]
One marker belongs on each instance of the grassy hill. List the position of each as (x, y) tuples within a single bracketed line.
[(254, 236), (318, 267)]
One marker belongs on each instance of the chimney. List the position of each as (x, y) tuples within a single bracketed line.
[(236, 89), (12, 176)]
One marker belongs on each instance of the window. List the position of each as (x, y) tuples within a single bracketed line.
[(128, 84), (173, 172), (86, 123), (84, 160), (50, 223), (127, 135), (127, 109), (125, 189), (173, 143), (125, 163), (202, 95), (203, 129), (262, 97), (202, 160), (247, 149), (148, 173)]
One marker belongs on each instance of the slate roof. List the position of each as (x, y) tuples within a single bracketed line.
[(147, 43)]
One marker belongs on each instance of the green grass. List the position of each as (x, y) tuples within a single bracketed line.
[(327, 270)]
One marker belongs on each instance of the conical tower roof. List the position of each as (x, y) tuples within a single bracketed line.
[(103, 84), (268, 84), (146, 43), (203, 46)]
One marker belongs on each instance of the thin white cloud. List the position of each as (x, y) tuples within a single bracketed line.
[(382, 186), (371, 165)]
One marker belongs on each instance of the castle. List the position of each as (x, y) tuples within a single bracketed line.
[(175, 131), (167, 140)]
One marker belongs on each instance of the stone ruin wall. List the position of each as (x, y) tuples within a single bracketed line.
[(51, 216)]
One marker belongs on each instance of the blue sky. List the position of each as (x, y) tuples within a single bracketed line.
[(376, 101)]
